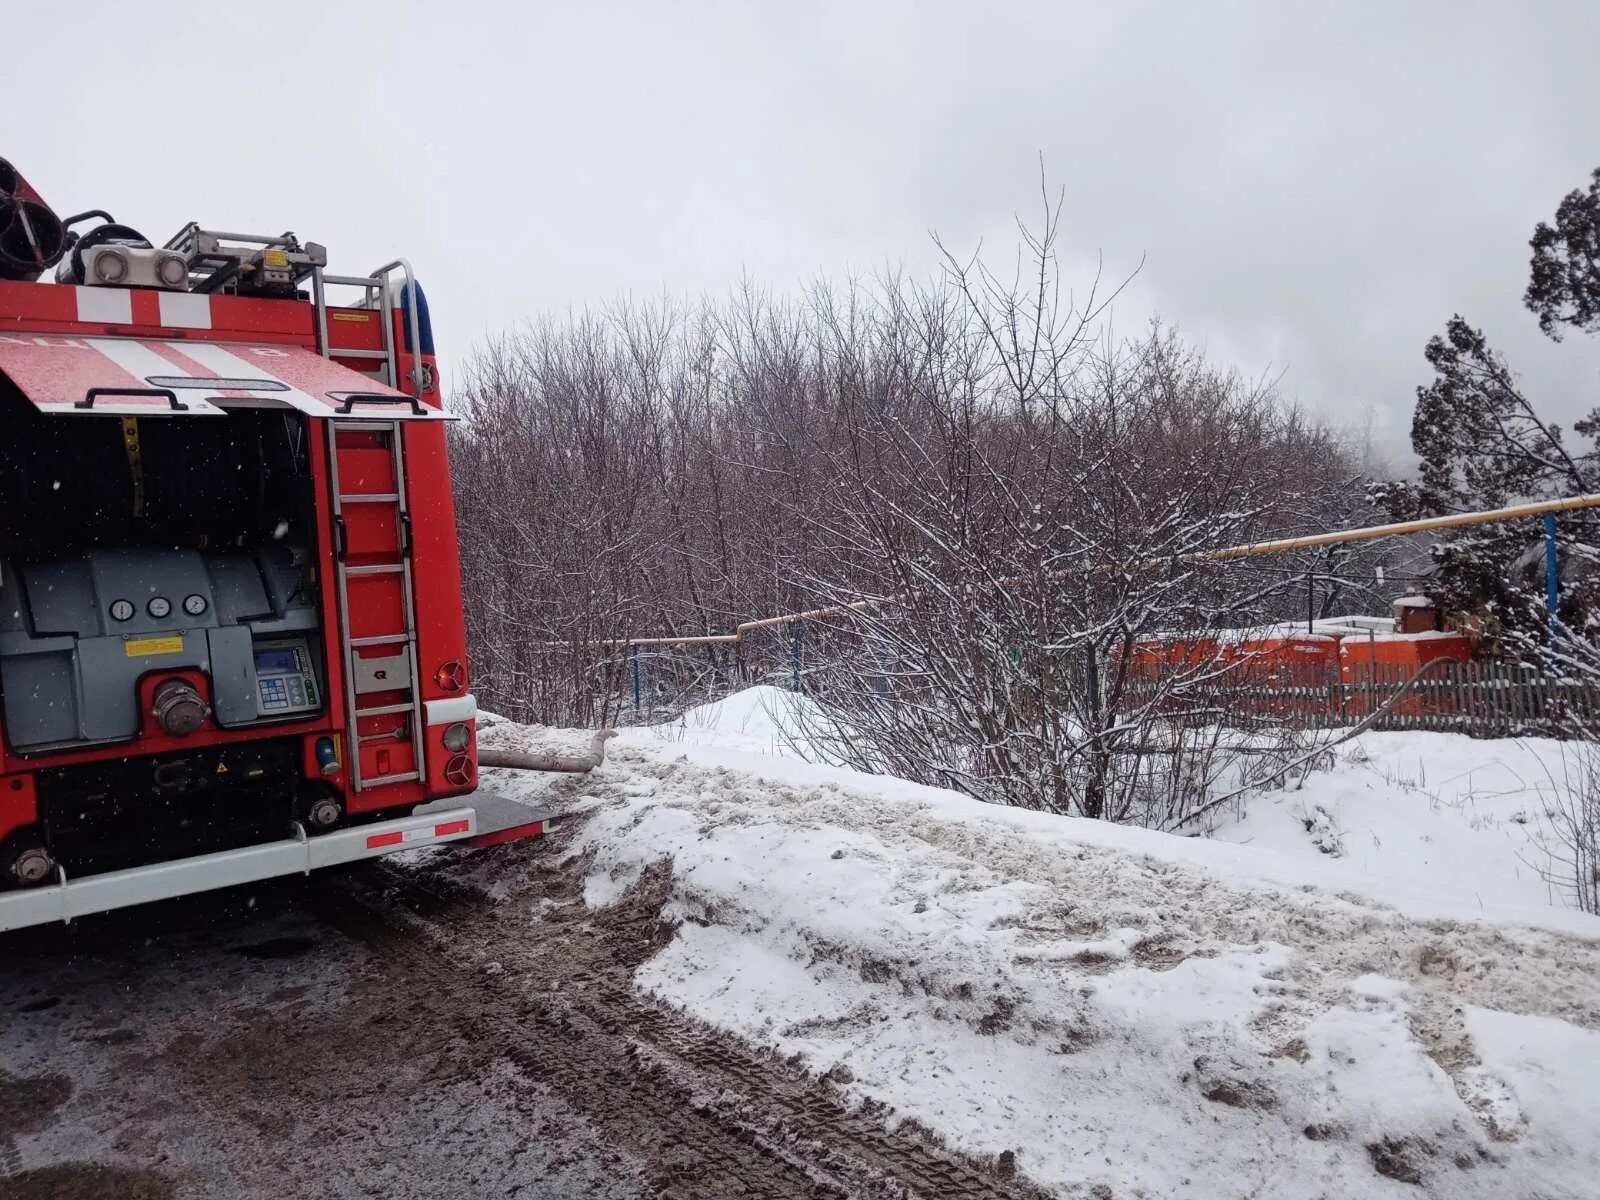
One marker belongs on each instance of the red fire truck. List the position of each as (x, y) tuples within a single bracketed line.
[(231, 632)]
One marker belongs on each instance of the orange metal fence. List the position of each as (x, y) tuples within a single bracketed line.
[(1483, 699)]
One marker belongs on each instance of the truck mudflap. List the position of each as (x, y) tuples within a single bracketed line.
[(479, 820)]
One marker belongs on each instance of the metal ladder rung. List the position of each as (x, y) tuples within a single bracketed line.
[(387, 735), (371, 498), (341, 352), (376, 569), (381, 639), (381, 780), (365, 281), (385, 710)]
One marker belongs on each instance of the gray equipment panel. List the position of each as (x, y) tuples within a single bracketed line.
[(34, 685), (233, 677), (78, 634)]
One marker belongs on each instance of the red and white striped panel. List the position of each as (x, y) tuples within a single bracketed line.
[(57, 373), (395, 838), (116, 306)]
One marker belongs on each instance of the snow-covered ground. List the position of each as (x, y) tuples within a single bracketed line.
[(1362, 988), (1440, 813)]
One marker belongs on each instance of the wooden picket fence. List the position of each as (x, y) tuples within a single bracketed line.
[(1482, 699)]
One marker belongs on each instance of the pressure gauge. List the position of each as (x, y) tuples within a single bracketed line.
[(194, 605), (122, 610), (159, 607)]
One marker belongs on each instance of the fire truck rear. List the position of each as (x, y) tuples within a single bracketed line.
[(231, 634)]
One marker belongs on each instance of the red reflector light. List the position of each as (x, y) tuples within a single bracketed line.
[(385, 839), (450, 827), (458, 771)]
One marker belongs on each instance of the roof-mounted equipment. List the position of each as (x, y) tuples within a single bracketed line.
[(113, 255), (246, 264)]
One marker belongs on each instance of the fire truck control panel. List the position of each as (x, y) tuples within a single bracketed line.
[(285, 679)]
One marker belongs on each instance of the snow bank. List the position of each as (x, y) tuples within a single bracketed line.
[(758, 719), (1445, 815), (1481, 805), (1160, 1016)]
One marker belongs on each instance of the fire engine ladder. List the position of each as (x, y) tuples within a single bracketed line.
[(382, 571), (380, 295)]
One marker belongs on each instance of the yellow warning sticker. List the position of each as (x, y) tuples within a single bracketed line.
[(351, 316), (139, 647)]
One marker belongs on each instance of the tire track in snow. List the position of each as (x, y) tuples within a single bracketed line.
[(556, 996)]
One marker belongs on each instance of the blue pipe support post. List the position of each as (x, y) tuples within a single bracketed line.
[(794, 658), (633, 664)]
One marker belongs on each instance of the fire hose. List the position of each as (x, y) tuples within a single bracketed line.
[(572, 764)]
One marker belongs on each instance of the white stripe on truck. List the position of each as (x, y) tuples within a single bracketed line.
[(185, 310), (448, 712), (103, 305)]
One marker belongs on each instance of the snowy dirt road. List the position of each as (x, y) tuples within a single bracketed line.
[(398, 1034), (240, 1045)]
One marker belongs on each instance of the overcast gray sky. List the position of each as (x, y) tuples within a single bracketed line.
[(1314, 187)]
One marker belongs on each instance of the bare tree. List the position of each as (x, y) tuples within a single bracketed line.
[(1010, 487), (1569, 834)]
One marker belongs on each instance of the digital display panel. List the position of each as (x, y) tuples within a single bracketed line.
[(283, 661)]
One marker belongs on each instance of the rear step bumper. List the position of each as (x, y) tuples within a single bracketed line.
[(486, 823)]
